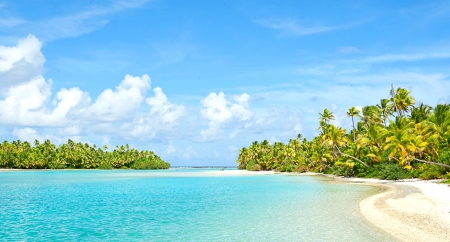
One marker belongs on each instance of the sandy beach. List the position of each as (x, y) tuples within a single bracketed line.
[(411, 210)]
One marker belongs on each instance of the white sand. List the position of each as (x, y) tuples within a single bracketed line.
[(410, 210)]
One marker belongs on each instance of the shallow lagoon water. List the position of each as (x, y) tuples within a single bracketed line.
[(180, 205)]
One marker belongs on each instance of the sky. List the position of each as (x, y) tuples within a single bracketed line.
[(195, 81)]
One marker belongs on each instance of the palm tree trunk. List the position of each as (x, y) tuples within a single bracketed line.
[(432, 163), (354, 131), (362, 162)]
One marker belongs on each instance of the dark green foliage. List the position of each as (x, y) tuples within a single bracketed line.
[(105, 166), (427, 172), (387, 171), (149, 163), (287, 168), (444, 157), (340, 171), (71, 155), (251, 166)]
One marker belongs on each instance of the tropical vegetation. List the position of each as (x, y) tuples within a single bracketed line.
[(394, 139), (71, 155)]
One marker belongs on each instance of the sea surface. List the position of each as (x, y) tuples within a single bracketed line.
[(180, 205)]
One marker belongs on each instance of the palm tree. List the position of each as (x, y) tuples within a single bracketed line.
[(326, 116), (401, 100), (398, 140), (371, 115), (386, 109), (334, 137), (421, 113), (352, 112), (325, 119), (441, 116)]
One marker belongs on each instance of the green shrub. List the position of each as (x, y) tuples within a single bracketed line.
[(387, 171), (256, 167), (287, 168), (427, 172), (444, 157), (340, 171), (105, 166), (301, 168), (250, 165), (149, 164)]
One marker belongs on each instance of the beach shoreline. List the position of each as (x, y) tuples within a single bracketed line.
[(409, 210)]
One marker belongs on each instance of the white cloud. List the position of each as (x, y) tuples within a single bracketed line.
[(10, 22), (70, 104), (218, 111), (28, 101), (189, 152), (409, 57), (27, 134), (20, 63), (292, 27), (171, 149), (113, 106), (164, 117), (70, 131), (25, 104), (83, 22), (347, 49), (163, 109)]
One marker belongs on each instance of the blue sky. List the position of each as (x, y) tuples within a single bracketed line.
[(197, 80)]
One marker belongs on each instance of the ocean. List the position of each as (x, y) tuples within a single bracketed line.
[(180, 205)]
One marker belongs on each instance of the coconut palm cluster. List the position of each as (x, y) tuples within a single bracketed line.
[(394, 139), (23, 155)]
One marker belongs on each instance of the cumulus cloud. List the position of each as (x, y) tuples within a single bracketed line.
[(70, 104), (20, 63), (25, 104), (163, 117), (27, 100), (27, 134), (219, 112), (162, 108), (112, 106)]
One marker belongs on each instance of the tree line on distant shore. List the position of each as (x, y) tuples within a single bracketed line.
[(71, 155), (394, 139)]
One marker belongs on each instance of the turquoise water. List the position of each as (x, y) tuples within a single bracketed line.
[(179, 205)]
